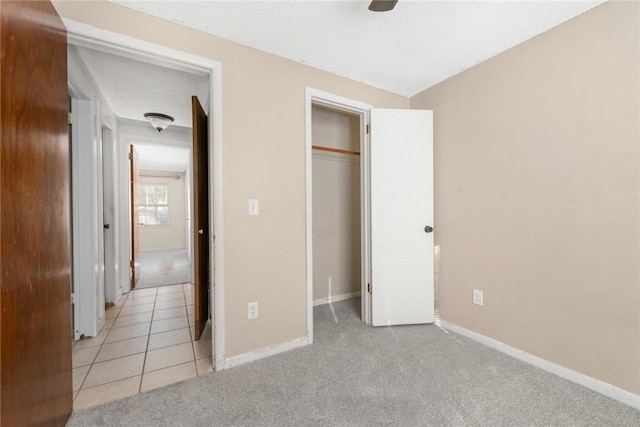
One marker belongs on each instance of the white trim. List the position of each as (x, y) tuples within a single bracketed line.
[(88, 36), (83, 88), (91, 37), (336, 102), (252, 356), (594, 384), (215, 159), (308, 161), (88, 217), (365, 215), (335, 298)]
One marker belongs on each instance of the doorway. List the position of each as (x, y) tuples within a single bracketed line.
[(337, 205), (396, 211), (164, 215), (354, 116), (79, 35), (109, 211)]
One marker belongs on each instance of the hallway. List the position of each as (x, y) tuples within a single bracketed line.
[(163, 267), (146, 343)]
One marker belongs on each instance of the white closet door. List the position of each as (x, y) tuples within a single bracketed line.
[(401, 212)]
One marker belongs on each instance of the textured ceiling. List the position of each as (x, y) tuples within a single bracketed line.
[(413, 47), (132, 88)]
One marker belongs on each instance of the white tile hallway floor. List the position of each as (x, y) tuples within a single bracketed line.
[(146, 343)]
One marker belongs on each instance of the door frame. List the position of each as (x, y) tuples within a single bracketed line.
[(363, 110), (87, 201), (109, 208), (95, 38), (90, 117)]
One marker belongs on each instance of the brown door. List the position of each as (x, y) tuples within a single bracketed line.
[(134, 179), (201, 215), (35, 224)]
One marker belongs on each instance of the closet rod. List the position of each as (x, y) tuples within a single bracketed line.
[(335, 150), (150, 175)]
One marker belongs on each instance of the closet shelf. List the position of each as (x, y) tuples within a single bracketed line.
[(335, 150)]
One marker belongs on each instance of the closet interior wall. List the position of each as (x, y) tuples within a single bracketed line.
[(336, 205)]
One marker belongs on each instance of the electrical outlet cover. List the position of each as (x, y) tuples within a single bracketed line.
[(252, 310)]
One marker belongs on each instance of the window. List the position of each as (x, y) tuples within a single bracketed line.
[(154, 204)]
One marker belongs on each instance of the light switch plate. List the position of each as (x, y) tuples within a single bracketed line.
[(254, 207), (478, 297)]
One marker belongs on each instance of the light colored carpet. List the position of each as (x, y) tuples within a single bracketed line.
[(163, 268), (355, 375)]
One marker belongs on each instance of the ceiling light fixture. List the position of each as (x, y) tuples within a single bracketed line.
[(159, 121), (382, 5)]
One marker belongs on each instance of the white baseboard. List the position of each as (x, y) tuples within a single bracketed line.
[(280, 348), (335, 298), (119, 294), (594, 384), (241, 359)]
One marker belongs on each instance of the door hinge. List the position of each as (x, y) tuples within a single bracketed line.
[(70, 118), (131, 264), (73, 298), (368, 127), (369, 287), (129, 156)]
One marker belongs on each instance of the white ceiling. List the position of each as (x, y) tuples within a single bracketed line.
[(413, 47), (132, 88)]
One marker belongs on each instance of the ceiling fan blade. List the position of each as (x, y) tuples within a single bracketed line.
[(382, 5)]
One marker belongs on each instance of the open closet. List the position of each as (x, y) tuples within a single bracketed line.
[(369, 209), (336, 205)]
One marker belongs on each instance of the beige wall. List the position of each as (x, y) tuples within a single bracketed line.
[(536, 172), (336, 204), (264, 157), (171, 236)]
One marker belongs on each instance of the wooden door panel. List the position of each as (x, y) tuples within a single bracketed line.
[(201, 216), (35, 251)]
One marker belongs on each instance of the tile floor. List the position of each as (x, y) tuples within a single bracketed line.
[(146, 343)]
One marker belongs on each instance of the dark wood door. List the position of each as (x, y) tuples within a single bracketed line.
[(201, 216), (35, 224), (134, 179)]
